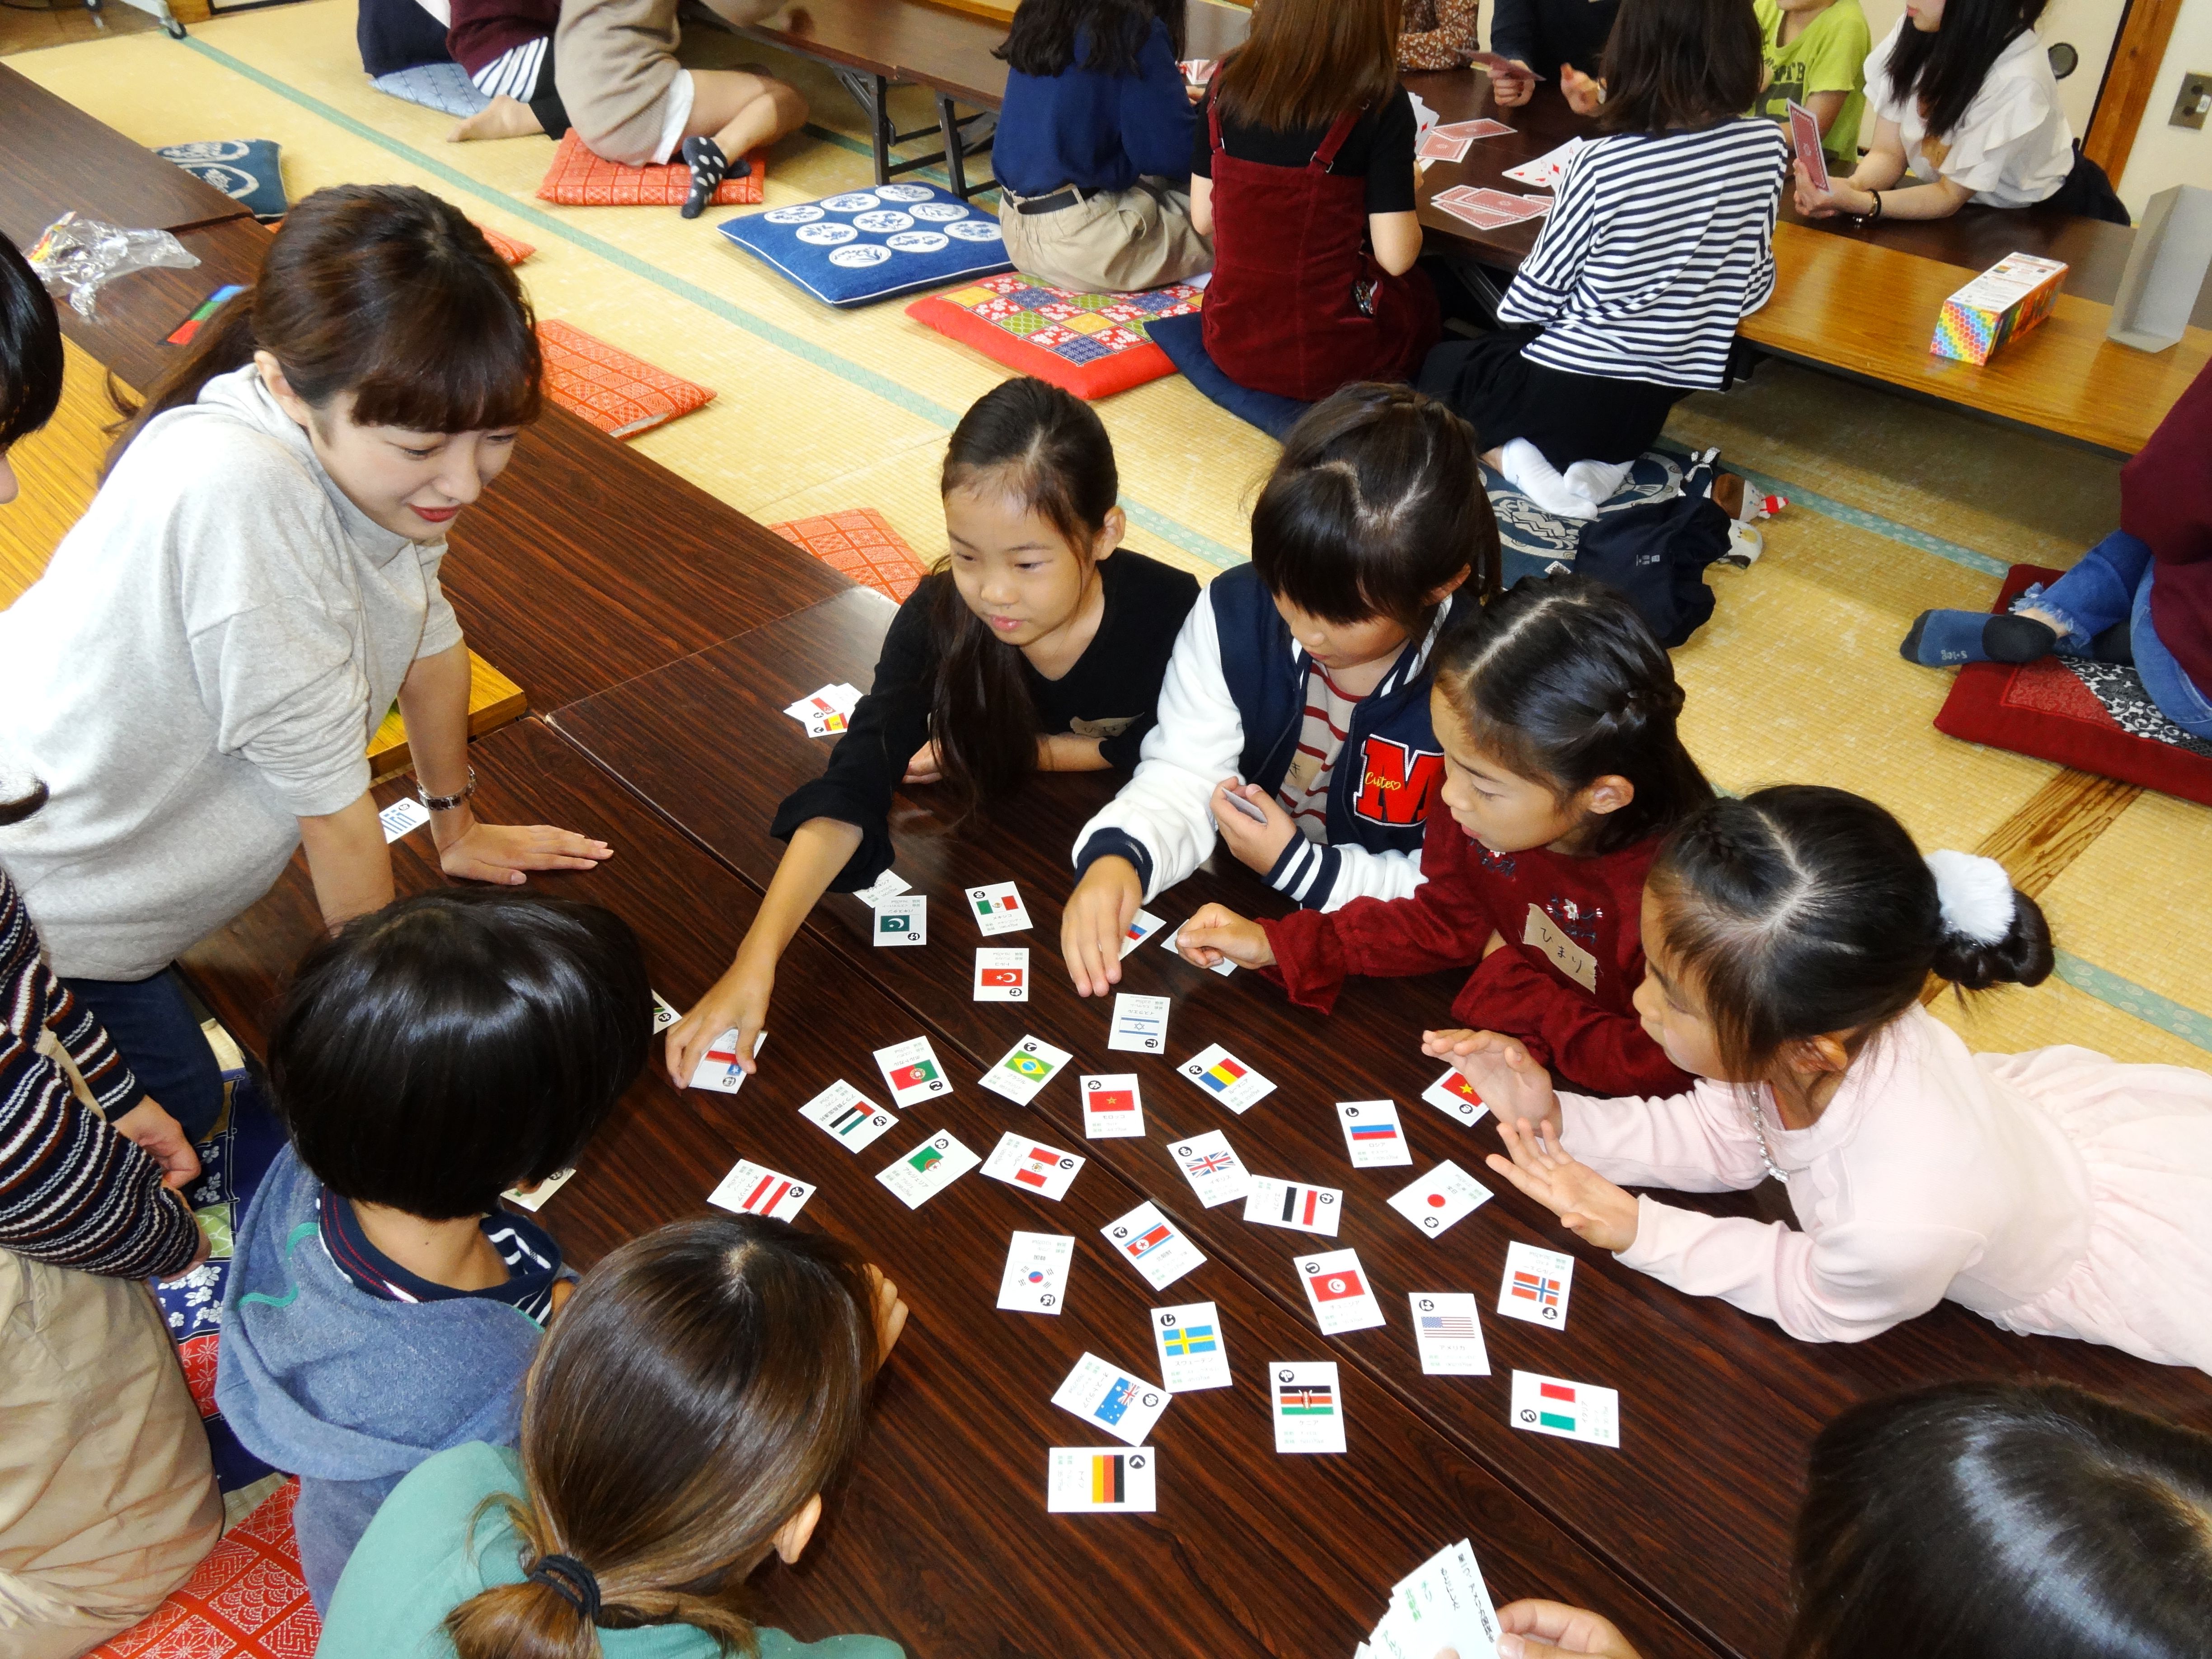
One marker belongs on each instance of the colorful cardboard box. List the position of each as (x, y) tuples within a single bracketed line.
[(2009, 298)]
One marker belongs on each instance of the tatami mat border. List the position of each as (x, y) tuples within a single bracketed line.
[(2145, 1004)]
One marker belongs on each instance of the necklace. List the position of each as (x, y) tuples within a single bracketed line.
[(1766, 1152)]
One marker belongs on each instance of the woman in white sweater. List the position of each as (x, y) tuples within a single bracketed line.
[(196, 676)]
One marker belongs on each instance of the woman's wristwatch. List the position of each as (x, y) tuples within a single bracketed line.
[(446, 803)]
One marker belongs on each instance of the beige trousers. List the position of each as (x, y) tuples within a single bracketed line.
[(1140, 238)]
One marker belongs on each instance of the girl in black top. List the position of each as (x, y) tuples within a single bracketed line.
[(1033, 646)]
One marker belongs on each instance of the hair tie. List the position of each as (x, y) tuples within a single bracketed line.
[(1975, 895), (571, 1581)]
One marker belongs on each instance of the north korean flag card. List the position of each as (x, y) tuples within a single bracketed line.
[(1153, 1245)]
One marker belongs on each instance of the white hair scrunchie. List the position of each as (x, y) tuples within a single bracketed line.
[(1976, 896)]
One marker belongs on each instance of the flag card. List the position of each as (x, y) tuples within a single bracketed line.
[(1193, 1352), (1112, 1107), (1174, 942), (1440, 1604), (1153, 1245), (1140, 1024), (1036, 1279), (911, 1072), (1445, 1195), (1025, 1068), (533, 1198), (1309, 1408), (1443, 147), (1455, 1096), (1449, 1333), (1210, 1163), (718, 1068), (1002, 975), (1227, 1078), (1025, 1162), (846, 1116), (1107, 1397), (1485, 128), (1372, 1133), (889, 884), (927, 1171), (1548, 169), (1101, 1480), (403, 817), (1536, 1285), (755, 1190), (903, 919), (1139, 931), (1573, 1411), (663, 1013), (1805, 133), (1292, 1204), (999, 908), (825, 712), (1338, 1289)]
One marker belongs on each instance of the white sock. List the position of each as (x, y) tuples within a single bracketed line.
[(1528, 471), (1596, 481)]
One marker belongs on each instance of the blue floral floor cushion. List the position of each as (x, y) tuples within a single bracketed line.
[(863, 245), (247, 170), (435, 86)]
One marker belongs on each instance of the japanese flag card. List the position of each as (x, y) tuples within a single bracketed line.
[(903, 919), (663, 1013), (1174, 942), (718, 1068), (889, 884), (1442, 1603), (1308, 1407), (1025, 1068), (1485, 128), (1099, 1480), (1446, 1194), (1140, 1024), (999, 908), (1113, 1107), (403, 817), (1107, 1397), (846, 1116), (1536, 1285), (1455, 1096), (928, 1169), (1194, 1353), (911, 1072), (1036, 1279), (1372, 1134), (1139, 931), (1227, 1078), (1805, 134), (1022, 1161), (1293, 1204), (1153, 1245), (1573, 1411), (755, 1190), (1210, 1163), (533, 1198), (1443, 147), (1002, 975), (1448, 1332), (1337, 1287)]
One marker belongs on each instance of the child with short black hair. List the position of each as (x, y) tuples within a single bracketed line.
[(381, 1306)]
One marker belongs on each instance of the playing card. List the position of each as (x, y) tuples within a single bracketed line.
[(1309, 1408), (1197, 71), (999, 908), (1210, 1163), (663, 1014), (532, 1198), (1489, 209), (889, 884), (1455, 1096), (1227, 1078), (1100, 1480), (1805, 136), (1022, 1161), (403, 817), (1036, 1279), (1440, 146), (1440, 1197), (846, 1115), (911, 1072), (927, 1171), (1002, 975), (1442, 1603), (1025, 1068), (1194, 1353), (1449, 1333), (718, 1068), (755, 1190), (1573, 1411), (1372, 1134), (1339, 1292), (1485, 128), (1173, 942), (1153, 1245), (902, 920), (1107, 1397), (1141, 929), (1112, 1106), (1547, 170), (825, 712), (1536, 1285), (1140, 1024), (1293, 1204)]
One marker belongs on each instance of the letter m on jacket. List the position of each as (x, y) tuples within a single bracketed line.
[(1397, 783)]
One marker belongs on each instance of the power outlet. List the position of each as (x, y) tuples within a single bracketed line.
[(2194, 103)]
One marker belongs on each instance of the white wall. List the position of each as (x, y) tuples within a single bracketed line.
[(2164, 156)]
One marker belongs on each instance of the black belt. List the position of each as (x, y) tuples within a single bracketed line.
[(1067, 196)]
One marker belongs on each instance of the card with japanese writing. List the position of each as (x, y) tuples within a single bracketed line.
[(1025, 1068), (1112, 1106), (1107, 1397), (911, 1072), (1339, 1292), (1444, 1195), (755, 1190), (1308, 1406), (1573, 1411), (1210, 1163), (1153, 1245), (1293, 1204), (998, 909), (1455, 1096), (1227, 1078), (1536, 1285), (1194, 1352), (902, 920), (1140, 1024), (927, 1171), (1101, 1480), (1025, 1162), (1372, 1134), (718, 1068), (1002, 975), (847, 1116), (1448, 1331), (1035, 1278)]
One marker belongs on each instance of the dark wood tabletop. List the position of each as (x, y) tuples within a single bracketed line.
[(133, 316)]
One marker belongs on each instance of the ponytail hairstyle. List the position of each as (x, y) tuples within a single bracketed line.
[(1676, 65), (1562, 681), (385, 292), (1042, 39), (702, 1384), (1376, 502), (1308, 61), (1046, 451), (30, 349), (1945, 68), (1801, 910)]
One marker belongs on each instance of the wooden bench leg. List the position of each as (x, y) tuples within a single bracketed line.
[(954, 127)]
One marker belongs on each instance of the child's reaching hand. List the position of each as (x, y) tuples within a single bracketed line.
[(1532, 1629), (1096, 919), (1257, 842), (1504, 1073), (1587, 1205), (1215, 931), (889, 1313)]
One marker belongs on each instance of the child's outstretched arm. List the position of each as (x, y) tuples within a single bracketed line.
[(1587, 1205), (1215, 932), (1511, 1082), (1606, 1053)]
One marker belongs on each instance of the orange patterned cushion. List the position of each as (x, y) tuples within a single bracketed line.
[(507, 247), (620, 394), (580, 179), (246, 1601), (860, 545)]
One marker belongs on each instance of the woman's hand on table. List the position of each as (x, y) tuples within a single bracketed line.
[(1841, 196), (740, 999), (501, 853)]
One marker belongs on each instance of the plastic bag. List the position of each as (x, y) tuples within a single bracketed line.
[(77, 256)]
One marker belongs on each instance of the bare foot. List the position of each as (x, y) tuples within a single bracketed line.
[(503, 117)]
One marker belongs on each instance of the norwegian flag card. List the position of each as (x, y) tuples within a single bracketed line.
[(755, 1190), (1022, 1161), (1227, 1078), (1573, 1411), (1025, 1068), (1210, 1163), (1139, 931), (1295, 1204), (1338, 1290), (1102, 1480), (718, 1068), (1372, 1133), (1308, 1406), (902, 920), (1107, 1397), (1035, 1278), (1140, 1024), (1153, 1245), (927, 1171), (1194, 1352), (1536, 1285), (911, 1072), (1112, 1107), (1455, 1096), (1446, 1194), (846, 1116), (1449, 1333), (1002, 975), (998, 909)]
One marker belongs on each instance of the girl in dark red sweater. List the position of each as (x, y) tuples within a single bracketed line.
[(1556, 709)]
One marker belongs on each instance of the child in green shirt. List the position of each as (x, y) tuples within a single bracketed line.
[(1816, 53)]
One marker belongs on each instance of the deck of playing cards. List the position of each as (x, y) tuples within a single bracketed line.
[(1002, 975), (1292, 1204), (1035, 1278), (998, 908), (718, 1068), (1489, 209), (1372, 1135), (826, 712), (1023, 1161), (1153, 1245), (1227, 1078), (1193, 1352), (1308, 1405), (1337, 1288), (1805, 137), (1440, 1197), (1443, 147), (1442, 1603), (1573, 1411), (1449, 1333), (927, 1171), (902, 920), (1455, 1096), (755, 1190), (846, 1115), (1210, 1163), (1107, 1397), (1025, 1068), (1140, 1024), (911, 1072), (1536, 1285), (1112, 1106), (1100, 1480)]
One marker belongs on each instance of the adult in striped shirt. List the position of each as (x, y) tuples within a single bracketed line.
[(1661, 240)]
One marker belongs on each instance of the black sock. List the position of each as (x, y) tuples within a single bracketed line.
[(2018, 639), (2116, 644), (708, 167)]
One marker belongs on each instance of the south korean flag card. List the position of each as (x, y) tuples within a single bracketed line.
[(1372, 1134), (1337, 1287), (1025, 1162), (927, 1171), (911, 1072), (903, 919), (1210, 1163), (1455, 1096), (1112, 1107), (998, 909), (1025, 1068), (1002, 975), (846, 1116), (1100, 1480), (1308, 1406), (1174, 942), (1227, 1078), (1107, 1397), (718, 1068), (1449, 1333), (1153, 1245), (1140, 1024), (1572, 1411), (1139, 931), (1293, 1204), (755, 1190), (1194, 1353), (1536, 1285), (1446, 1194), (663, 1013), (1036, 1279)]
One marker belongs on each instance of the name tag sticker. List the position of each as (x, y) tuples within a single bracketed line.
[(1564, 954)]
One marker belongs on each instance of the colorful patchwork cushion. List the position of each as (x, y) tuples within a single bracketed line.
[(580, 179), (874, 243), (247, 170), (860, 545), (620, 394), (443, 87), (246, 1601), (507, 247), (1093, 344)]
